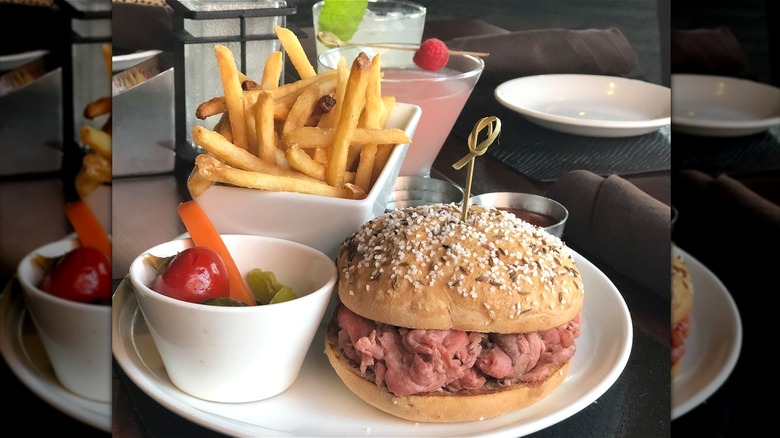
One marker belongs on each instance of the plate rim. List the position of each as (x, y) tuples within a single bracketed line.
[(724, 126), (593, 124), (680, 408), (12, 313), (219, 422)]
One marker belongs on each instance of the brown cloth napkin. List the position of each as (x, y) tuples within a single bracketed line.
[(619, 224), (729, 228), (549, 51), (707, 51), (154, 34)]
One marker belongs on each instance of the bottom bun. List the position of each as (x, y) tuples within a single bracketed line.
[(675, 369), (443, 407)]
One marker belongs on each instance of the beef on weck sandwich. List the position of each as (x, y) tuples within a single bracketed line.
[(443, 320), (682, 303)]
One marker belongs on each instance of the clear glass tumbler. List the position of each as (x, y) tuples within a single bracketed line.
[(384, 22)]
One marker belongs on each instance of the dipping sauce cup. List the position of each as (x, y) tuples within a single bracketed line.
[(536, 209)]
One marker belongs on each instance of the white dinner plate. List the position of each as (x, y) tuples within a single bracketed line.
[(714, 342), (16, 60), (123, 62), (718, 106), (589, 105), (23, 351), (331, 409)]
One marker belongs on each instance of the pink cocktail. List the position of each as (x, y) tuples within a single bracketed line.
[(441, 95)]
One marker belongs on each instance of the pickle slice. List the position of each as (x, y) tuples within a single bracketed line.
[(284, 294)]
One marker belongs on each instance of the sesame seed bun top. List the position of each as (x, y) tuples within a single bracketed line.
[(423, 267)]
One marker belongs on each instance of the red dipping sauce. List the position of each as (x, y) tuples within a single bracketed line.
[(538, 219)]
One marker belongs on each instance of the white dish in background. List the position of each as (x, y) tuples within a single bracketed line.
[(714, 342), (588, 105), (318, 221), (123, 62), (718, 106), (331, 409), (10, 62), (23, 351)]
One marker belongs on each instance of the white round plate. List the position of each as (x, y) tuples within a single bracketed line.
[(24, 353), (123, 62), (717, 106), (10, 62), (589, 105), (714, 342), (331, 409)]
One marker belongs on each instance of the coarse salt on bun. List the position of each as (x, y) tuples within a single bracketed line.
[(682, 303), (425, 268)]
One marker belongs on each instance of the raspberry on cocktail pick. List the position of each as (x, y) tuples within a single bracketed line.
[(432, 55)]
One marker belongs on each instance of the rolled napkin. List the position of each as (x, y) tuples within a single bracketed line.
[(707, 51), (618, 223), (156, 32), (549, 51), (728, 227)]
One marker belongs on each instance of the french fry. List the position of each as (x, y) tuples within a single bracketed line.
[(308, 137), (371, 119), (98, 141), (301, 110), (237, 157), (272, 71), (292, 45), (223, 127), (217, 171), (97, 108), (284, 96), (107, 61), (264, 125), (301, 161), (354, 101), (331, 119), (197, 183), (234, 96)]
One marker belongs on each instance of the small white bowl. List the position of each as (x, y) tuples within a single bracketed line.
[(717, 106), (589, 105), (238, 354), (317, 221), (76, 336)]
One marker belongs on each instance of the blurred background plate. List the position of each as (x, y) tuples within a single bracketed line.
[(125, 61), (10, 62), (588, 105), (720, 106)]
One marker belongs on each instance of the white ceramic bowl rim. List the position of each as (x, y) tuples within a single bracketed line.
[(27, 267), (136, 267)]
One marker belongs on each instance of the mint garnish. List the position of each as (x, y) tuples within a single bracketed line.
[(342, 17)]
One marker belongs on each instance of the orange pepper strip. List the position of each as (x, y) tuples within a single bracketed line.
[(87, 227), (203, 233)]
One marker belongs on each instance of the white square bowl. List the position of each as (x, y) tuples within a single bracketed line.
[(317, 221)]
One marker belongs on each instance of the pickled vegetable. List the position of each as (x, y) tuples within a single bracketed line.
[(266, 287), (283, 294)]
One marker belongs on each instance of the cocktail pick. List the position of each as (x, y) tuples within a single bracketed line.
[(493, 125), (329, 39)]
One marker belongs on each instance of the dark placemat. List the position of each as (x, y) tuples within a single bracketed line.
[(731, 155), (544, 155)]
